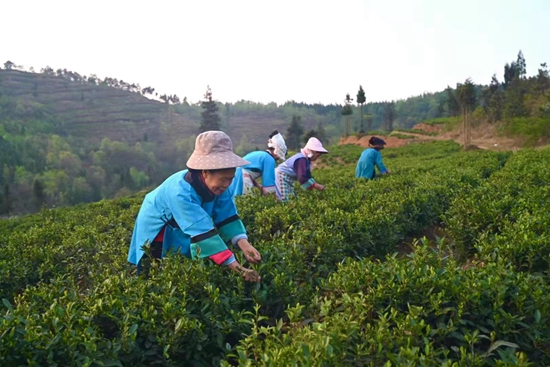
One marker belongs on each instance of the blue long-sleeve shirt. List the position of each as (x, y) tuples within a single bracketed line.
[(195, 221), (369, 159), (260, 161)]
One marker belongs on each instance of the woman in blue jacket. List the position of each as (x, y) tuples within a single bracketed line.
[(262, 164), (371, 158), (193, 212)]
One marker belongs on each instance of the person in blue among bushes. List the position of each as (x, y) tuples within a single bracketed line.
[(371, 158), (193, 211), (262, 164)]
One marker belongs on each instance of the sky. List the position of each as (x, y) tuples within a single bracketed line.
[(275, 51)]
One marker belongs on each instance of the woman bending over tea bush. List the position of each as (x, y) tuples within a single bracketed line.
[(262, 164), (298, 168), (185, 213), (370, 158)]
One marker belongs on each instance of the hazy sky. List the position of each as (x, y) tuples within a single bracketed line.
[(311, 51)]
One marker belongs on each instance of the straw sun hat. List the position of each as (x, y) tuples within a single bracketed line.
[(214, 150)]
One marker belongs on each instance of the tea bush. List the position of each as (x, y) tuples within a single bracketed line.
[(337, 287)]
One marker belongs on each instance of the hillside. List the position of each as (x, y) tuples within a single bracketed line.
[(91, 112)]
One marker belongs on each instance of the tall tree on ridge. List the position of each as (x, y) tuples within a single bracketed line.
[(347, 111), (210, 120), (294, 132), (389, 115), (465, 94), (361, 99)]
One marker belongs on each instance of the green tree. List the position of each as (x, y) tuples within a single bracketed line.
[(389, 115), (368, 121), (9, 65), (511, 74), (321, 134), (347, 111), (309, 134), (466, 97), (210, 120), (7, 203), (514, 102), (452, 103), (38, 194), (361, 99), (493, 100), (521, 66), (542, 80), (294, 132)]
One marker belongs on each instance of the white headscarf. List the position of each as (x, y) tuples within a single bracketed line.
[(277, 142)]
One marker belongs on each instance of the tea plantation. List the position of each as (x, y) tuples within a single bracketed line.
[(347, 277)]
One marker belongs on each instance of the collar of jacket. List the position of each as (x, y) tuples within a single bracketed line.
[(194, 179)]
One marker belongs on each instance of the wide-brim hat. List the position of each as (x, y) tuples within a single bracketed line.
[(315, 145), (214, 150)]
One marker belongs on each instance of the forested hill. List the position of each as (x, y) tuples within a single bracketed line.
[(66, 138)]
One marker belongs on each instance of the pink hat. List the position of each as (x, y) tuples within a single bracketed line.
[(214, 150), (315, 145)]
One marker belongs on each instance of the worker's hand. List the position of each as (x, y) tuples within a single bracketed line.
[(249, 252), (249, 275), (319, 187)]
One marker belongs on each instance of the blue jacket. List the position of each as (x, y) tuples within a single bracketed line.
[(260, 161), (191, 216), (368, 160)]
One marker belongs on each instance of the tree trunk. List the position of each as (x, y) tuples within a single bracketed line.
[(361, 130), (463, 110)]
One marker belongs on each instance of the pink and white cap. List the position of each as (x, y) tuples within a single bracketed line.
[(315, 145)]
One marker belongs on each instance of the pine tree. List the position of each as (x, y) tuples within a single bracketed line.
[(389, 115), (452, 103), (309, 134), (361, 99), (347, 111), (210, 120), (321, 134), (521, 66), (39, 197), (466, 97), (494, 101), (7, 200), (294, 132)]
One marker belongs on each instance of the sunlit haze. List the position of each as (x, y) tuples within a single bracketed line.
[(264, 51)]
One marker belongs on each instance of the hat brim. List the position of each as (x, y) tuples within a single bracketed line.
[(321, 150), (215, 161)]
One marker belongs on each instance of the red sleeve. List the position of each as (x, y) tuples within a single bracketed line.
[(220, 257)]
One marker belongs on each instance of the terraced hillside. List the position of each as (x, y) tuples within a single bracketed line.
[(92, 112)]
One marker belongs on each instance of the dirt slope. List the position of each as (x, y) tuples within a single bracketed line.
[(484, 136)]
